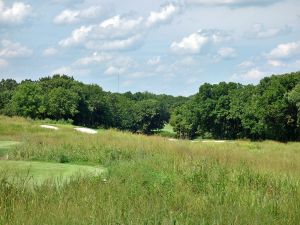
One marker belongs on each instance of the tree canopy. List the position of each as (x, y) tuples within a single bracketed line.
[(269, 110), (60, 97)]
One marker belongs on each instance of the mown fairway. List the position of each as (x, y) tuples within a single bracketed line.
[(149, 180)]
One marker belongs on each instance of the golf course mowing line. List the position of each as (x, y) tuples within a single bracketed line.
[(5, 145), (38, 172)]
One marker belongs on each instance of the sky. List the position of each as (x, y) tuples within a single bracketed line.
[(160, 46)]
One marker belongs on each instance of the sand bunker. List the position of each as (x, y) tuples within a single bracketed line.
[(172, 139), (49, 127), (220, 141), (86, 130)]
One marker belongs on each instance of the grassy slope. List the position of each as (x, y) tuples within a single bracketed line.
[(153, 181)]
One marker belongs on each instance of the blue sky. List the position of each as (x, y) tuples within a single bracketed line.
[(159, 46)]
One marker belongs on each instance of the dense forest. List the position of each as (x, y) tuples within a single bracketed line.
[(62, 98), (269, 110)]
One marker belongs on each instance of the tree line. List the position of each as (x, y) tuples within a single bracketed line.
[(60, 97), (269, 110)]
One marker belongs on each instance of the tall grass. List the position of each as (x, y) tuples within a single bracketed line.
[(151, 180)]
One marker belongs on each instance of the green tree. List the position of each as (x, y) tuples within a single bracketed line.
[(28, 100), (62, 104), (7, 88)]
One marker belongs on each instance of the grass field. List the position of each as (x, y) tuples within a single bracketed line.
[(149, 180)]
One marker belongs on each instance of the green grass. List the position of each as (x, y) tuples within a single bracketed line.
[(39, 172), (149, 180), (168, 128), (5, 146), (166, 131)]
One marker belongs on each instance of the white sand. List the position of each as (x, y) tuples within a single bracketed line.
[(86, 130), (49, 127), (214, 141), (172, 139)]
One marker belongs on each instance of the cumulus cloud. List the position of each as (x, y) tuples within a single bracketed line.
[(69, 16), (195, 42), (259, 31), (78, 36), (118, 32), (93, 59), (276, 63), (14, 14), (9, 49), (50, 51), (231, 3), (118, 27), (286, 50), (166, 14), (253, 74), (191, 44)]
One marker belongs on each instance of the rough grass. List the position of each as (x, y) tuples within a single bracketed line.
[(151, 180)]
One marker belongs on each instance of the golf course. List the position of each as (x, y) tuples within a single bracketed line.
[(64, 176)]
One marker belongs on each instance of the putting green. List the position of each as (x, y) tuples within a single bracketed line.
[(5, 145), (38, 172)]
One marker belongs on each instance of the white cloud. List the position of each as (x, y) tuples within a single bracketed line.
[(246, 64), (16, 14), (275, 63), (69, 70), (194, 43), (120, 65), (231, 3), (11, 49), (3, 63), (69, 16), (50, 51), (226, 53), (118, 27), (285, 50), (111, 70), (154, 61), (77, 37), (191, 44), (259, 31), (253, 74), (118, 32), (166, 14), (93, 59), (116, 45)]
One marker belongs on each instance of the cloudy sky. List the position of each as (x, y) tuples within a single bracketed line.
[(160, 46)]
